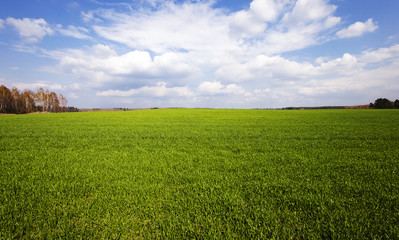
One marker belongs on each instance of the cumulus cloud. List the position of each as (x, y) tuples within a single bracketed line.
[(31, 30), (247, 23), (195, 53), (301, 26), (308, 11), (198, 37), (265, 10), (351, 74), (272, 81), (198, 26), (280, 78), (265, 68), (100, 63), (358, 29), (216, 88), (159, 90), (380, 55), (188, 26), (345, 65), (1, 23)]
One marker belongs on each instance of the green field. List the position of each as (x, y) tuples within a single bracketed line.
[(200, 174)]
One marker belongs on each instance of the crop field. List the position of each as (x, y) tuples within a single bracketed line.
[(200, 174)]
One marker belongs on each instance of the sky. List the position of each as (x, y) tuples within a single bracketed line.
[(202, 53)]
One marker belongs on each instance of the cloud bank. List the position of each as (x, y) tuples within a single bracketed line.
[(194, 54)]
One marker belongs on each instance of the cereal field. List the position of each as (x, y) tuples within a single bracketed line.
[(200, 174)]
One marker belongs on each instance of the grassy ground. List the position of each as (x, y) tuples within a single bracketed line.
[(192, 173)]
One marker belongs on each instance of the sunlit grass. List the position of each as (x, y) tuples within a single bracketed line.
[(196, 173)]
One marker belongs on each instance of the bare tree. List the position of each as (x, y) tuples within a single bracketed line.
[(47, 100), (17, 104), (29, 100), (15, 101), (53, 102), (5, 99), (63, 102), (40, 97)]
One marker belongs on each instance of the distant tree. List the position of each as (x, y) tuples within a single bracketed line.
[(63, 102), (29, 101), (72, 109), (40, 98), (15, 101), (46, 100), (17, 104), (396, 104), (383, 103), (5, 100), (53, 104), (371, 105)]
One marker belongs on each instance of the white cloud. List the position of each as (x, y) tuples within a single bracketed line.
[(2, 23), (243, 24), (36, 85), (31, 30), (247, 23), (153, 3), (358, 29), (72, 96), (265, 68), (214, 35), (301, 26), (216, 88), (75, 32), (189, 52), (307, 11), (34, 30), (197, 26), (351, 75), (88, 16), (273, 78), (265, 10), (100, 63), (339, 66), (368, 83), (75, 86), (159, 90), (380, 55), (189, 26)]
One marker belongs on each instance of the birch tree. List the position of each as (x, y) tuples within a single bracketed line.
[(63, 101), (5, 99), (53, 102), (47, 100), (40, 97), (29, 100), (16, 101)]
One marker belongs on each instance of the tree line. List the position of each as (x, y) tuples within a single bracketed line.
[(384, 103), (27, 101)]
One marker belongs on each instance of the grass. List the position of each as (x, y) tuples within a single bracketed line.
[(203, 174)]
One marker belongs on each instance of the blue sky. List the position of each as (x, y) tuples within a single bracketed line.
[(231, 53)]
